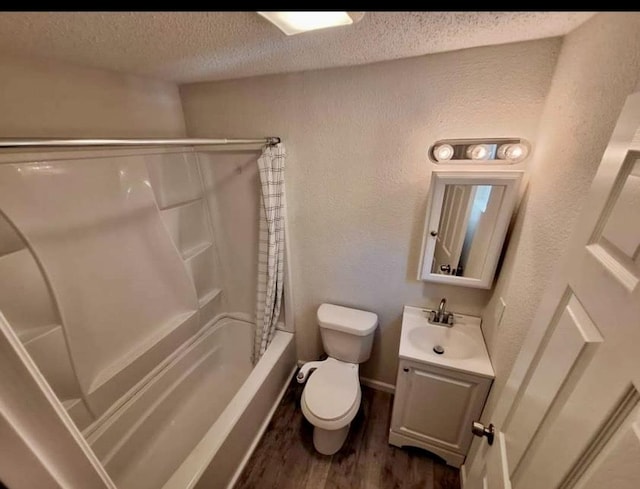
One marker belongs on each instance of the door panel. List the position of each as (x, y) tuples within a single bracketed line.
[(570, 339), (623, 420), (573, 420), (606, 284), (611, 468)]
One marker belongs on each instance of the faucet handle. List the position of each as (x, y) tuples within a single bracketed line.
[(450, 319)]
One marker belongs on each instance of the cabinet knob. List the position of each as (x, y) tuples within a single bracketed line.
[(405, 369)]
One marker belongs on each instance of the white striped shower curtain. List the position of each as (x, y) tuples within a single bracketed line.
[(270, 247)]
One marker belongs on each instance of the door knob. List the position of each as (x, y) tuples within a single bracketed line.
[(445, 268), (481, 430)]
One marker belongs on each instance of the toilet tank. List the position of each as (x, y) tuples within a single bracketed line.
[(347, 334)]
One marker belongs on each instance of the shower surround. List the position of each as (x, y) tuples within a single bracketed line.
[(110, 277)]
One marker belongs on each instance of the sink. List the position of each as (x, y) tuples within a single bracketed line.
[(461, 346), (456, 344)]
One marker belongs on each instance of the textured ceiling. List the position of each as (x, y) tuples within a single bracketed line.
[(198, 46)]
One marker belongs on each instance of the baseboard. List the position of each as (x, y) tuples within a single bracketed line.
[(463, 476), (260, 433), (378, 385)]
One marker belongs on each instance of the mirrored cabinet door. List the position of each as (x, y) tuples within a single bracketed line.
[(465, 226)]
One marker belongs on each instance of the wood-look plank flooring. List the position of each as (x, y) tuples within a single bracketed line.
[(285, 457)]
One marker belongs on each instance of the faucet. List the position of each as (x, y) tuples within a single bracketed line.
[(441, 309), (441, 317)]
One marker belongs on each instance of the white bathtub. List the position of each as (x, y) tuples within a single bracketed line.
[(196, 422)]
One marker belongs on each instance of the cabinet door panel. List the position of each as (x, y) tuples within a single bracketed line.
[(437, 408)]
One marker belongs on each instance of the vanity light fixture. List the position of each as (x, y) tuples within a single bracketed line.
[(443, 152), (485, 151), (479, 152), (292, 23), (512, 152)]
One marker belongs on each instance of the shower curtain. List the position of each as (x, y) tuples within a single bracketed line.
[(270, 247)]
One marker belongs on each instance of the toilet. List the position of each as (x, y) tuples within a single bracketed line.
[(331, 397)]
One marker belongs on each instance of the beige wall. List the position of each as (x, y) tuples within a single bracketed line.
[(599, 65), (357, 171), (43, 98)]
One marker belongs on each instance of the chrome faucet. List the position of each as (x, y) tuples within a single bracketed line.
[(441, 308), (441, 317)]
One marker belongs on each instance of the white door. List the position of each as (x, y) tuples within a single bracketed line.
[(456, 208), (570, 414)]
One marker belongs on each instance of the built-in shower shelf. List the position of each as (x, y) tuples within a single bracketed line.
[(70, 403), (195, 250), (78, 412), (209, 297), (137, 360), (33, 334)]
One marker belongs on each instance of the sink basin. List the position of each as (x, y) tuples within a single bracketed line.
[(460, 347), (456, 344)]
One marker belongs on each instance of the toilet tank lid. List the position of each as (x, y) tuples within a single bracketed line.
[(347, 320)]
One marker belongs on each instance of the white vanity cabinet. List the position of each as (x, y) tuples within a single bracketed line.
[(444, 377), (434, 408)]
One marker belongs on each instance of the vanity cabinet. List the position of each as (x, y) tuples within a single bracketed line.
[(434, 408)]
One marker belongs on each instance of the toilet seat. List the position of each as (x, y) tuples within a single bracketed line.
[(331, 398)]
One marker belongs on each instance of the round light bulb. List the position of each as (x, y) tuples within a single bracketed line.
[(478, 152), (443, 152), (512, 152)]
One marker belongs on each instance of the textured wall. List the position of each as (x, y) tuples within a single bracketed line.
[(43, 98), (599, 65), (357, 171)]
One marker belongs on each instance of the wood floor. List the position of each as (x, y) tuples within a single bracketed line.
[(286, 459)]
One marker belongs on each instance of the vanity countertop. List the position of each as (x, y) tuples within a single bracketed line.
[(463, 343)]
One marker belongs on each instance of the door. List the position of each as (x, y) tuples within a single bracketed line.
[(452, 229), (480, 230), (570, 414)]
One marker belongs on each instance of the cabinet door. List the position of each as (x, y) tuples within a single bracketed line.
[(438, 406)]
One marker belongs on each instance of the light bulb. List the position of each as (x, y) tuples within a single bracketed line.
[(443, 152), (512, 152), (478, 152)]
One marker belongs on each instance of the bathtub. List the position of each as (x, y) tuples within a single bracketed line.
[(195, 423)]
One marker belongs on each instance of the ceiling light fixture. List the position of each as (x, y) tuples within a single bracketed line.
[(296, 22)]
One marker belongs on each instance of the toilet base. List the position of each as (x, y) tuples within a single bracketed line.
[(328, 442)]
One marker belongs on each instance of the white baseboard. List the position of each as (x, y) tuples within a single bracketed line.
[(463, 476), (378, 385)]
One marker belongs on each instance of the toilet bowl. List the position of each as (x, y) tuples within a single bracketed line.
[(330, 401), (331, 397)]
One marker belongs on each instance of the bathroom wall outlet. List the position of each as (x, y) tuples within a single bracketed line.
[(499, 312)]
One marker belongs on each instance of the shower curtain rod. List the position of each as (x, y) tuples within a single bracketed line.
[(63, 143)]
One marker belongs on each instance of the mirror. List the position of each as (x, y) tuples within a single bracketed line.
[(467, 220)]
